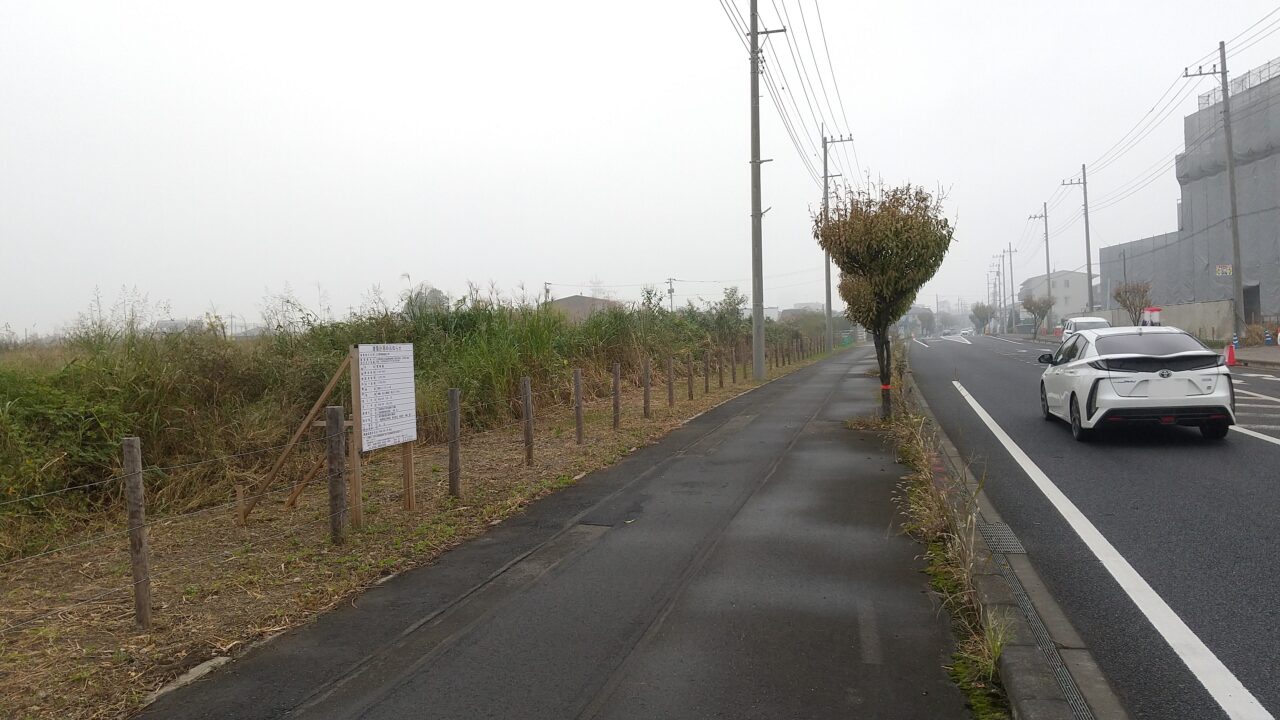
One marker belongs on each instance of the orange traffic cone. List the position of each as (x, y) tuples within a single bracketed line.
[(1231, 355)]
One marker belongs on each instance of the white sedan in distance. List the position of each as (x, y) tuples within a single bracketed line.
[(1113, 376)]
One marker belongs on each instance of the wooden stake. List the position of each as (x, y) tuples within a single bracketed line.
[(720, 367), (644, 380), (455, 442), (706, 371), (733, 364), (617, 395), (336, 458), (263, 484), (691, 377), (355, 482), (240, 516), (292, 501), (671, 381), (139, 554), (577, 404), (526, 410), (410, 491)]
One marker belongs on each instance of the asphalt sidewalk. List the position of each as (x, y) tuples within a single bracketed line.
[(749, 565)]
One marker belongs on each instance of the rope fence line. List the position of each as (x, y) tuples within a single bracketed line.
[(340, 474)]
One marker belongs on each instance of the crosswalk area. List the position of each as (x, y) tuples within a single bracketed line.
[(1257, 401)]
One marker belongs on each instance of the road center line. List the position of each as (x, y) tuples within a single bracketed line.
[(1234, 698), (918, 342), (993, 337), (1256, 434)]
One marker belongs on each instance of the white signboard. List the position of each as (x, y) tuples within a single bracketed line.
[(1223, 270), (388, 411)]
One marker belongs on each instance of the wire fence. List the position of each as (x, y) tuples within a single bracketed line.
[(594, 405)]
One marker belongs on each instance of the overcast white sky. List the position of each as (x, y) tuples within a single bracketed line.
[(211, 154)]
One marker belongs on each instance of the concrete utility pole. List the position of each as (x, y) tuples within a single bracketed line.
[(1237, 277), (1083, 182), (1048, 280), (826, 196), (1013, 291), (757, 216), (671, 293)]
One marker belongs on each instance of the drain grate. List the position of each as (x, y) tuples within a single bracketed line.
[(1000, 538), (1079, 708)]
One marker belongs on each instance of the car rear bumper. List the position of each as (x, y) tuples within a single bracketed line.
[(1113, 409), (1175, 415)]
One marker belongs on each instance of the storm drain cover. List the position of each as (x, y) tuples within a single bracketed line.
[(1000, 538)]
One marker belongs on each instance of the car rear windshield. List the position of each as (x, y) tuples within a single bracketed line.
[(1092, 325), (1148, 344)]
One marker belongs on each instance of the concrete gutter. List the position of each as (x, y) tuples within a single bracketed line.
[(1047, 671)]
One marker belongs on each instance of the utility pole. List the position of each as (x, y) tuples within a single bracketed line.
[(1048, 279), (546, 291), (1013, 291), (757, 216), (1083, 182), (1237, 270), (826, 196), (671, 293)]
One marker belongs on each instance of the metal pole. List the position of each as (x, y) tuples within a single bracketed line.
[(1088, 247), (1237, 270), (1048, 281), (757, 246)]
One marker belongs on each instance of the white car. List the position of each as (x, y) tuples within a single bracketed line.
[(966, 332), (1076, 324), (1114, 376)]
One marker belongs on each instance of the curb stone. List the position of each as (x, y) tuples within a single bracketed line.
[(1034, 690)]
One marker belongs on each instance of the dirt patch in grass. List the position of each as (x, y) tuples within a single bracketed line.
[(70, 648)]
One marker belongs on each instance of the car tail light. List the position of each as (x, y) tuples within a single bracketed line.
[(1098, 364), (1091, 406)]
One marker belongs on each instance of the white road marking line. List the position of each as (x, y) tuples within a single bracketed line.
[(1259, 395), (1015, 342), (1260, 436), (918, 342), (958, 338), (1230, 694)]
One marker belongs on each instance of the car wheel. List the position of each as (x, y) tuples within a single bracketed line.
[(1077, 431), (1214, 431), (1044, 404)]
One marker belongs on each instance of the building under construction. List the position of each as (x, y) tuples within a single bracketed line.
[(1194, 264)]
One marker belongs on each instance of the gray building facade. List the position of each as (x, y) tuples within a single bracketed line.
[(1194, 263)]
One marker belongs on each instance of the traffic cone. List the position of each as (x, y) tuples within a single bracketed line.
[(1231, 355)]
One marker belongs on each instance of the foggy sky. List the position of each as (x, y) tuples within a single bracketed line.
[(211, 155)]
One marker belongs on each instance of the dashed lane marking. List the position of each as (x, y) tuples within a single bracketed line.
[(1227, 690)]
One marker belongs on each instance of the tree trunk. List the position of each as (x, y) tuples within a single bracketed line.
[(881, 341)]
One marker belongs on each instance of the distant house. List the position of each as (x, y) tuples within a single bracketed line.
[(577, 308)]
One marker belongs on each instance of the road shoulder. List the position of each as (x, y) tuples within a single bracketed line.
[(1048, 672)]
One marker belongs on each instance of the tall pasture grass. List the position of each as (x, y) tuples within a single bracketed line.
[(200, 400)]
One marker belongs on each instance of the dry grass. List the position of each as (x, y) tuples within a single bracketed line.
[(217, 586)]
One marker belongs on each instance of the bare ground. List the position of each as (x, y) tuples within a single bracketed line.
[(70, 647)]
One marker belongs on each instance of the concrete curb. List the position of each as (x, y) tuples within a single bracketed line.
[(1033, 681)]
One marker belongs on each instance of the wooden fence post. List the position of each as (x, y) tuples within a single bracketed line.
[(577, 402), (336, 456), (690, 376), (644, 380), (671, 381), (733, 363), (406, 463), (139, 555), (617, 395), (455, 442), (526, 405), (720, 366), (355, 467), (706, 371)]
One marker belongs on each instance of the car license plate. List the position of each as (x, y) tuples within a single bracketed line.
[(1167, 388)]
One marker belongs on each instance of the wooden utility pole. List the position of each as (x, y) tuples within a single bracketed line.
[(139, 553)]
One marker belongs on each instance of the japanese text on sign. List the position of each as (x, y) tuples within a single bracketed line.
[(388, 410), (1223, 270)]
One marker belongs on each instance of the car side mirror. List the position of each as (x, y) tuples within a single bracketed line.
[(1046, 359)]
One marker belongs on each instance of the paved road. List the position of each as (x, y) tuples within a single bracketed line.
[(1195, 519), (745, 567)]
